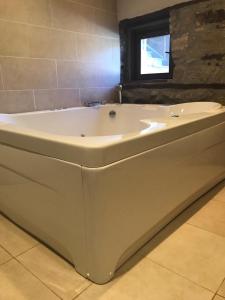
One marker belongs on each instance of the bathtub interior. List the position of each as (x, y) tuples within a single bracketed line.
[(83, 122), (107, 120)]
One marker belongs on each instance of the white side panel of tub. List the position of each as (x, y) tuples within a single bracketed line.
[(44, 196), (129, 201)]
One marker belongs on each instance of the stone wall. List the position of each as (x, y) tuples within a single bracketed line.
[(198, 51)]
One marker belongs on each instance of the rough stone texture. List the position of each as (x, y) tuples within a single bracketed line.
[(172, 96), (198, 51)]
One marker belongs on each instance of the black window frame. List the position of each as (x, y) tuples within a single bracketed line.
[(132, 31)]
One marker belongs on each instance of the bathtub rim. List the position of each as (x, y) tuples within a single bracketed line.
[(102, 152)]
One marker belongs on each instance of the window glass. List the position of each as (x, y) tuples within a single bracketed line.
[(155, 55)]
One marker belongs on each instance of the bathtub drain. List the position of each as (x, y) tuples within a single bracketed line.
[(82, 135), (112, 114)]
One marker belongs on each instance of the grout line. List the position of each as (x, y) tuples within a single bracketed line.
[(200, 228), (223, 282), (14, 256), (10, 255), (61, 88), (79, 95), (7, 261), (214, 297), (6, 251), (84, 290), (216, 200), (51, 12), (59, 29), (56, 73), (180, 275), (26, 90), (76, 47), (28, 270), (25, 251), (27, 57), (95, 7), (34, 100), (51, 59), (2, 80)]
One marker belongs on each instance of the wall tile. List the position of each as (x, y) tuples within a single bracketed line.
[(94, 49), (16, 101), (109, 5), (30, 41), (14, 39), (28, 11), (84, 75), (109, 75), (56, 99), (78, 53), (106, 24), (77, 75), (19, 73), (68, 74), (48, 43), (72, 16), (116, 57), (1, 78)]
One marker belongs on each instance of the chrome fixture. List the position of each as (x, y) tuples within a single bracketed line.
[(93, 103), (120, 89)]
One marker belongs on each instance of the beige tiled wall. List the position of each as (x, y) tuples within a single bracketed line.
[(57, 53)]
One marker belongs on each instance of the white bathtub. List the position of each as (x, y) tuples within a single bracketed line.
[(95, 184)]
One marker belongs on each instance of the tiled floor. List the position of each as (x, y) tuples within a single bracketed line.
[(185, 261)]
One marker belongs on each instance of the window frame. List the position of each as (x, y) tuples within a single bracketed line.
[(132, 31)]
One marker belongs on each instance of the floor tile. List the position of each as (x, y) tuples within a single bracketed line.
[(13, 239), (218, 191), (18, 284), (220, 195), (4, 256), (194, 253), (211, 217), (221, 291), (54, 271), (147, 281)]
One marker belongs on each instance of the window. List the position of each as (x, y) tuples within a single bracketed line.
[(147, 51), (155, 55)]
